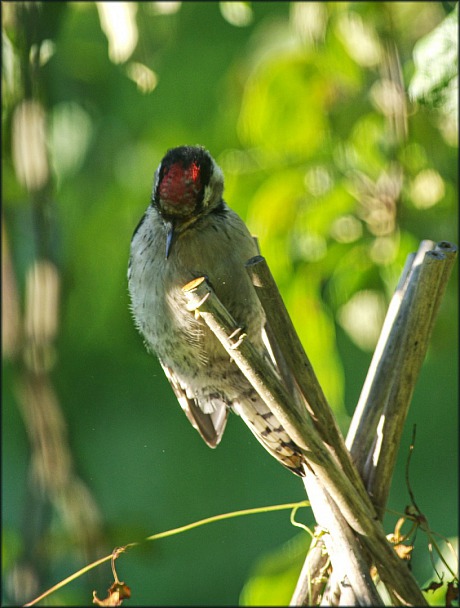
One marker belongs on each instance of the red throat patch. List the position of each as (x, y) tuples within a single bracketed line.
[(180, 186)]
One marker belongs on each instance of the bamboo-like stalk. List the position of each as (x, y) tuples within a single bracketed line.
[(348, 557), (299, 365), (292, 350), (388, 389), (202, 298), (380, 467), (355, 507), (424, 280), (384, 365), (291, 356)]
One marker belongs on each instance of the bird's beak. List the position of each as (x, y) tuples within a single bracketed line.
[(170, 239)]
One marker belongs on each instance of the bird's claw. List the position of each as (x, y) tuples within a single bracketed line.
[(235, 334)]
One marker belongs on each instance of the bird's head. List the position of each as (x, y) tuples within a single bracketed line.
[(188, 183)]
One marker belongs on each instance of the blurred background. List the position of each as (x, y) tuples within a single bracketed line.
[(336, 126)]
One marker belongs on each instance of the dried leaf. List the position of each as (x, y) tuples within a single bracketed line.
[(433, 586), (116, 594), (391, 538), (452, 592), (404, 551)]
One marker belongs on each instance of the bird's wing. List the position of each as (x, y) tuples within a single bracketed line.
[(210, 426)]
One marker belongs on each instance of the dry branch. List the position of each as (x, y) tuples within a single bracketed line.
[(351, 502), (378, 422), (286, 338), (380, 399)]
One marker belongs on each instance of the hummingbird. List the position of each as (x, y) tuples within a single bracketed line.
[(188, 231)]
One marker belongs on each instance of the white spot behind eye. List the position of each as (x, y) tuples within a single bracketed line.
[(213, 191)]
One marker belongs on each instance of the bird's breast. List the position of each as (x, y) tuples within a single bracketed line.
[(215, 249)]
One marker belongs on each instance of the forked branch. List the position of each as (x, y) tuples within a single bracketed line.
[(375, 432), (355, 538)]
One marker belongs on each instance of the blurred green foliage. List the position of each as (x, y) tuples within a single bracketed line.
[(333, 166)]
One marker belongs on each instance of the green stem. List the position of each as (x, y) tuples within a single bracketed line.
[(196, 524)]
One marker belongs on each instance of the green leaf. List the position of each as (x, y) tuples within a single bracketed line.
[(435, 82)]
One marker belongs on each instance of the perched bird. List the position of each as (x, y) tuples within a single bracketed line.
[(188, 231)]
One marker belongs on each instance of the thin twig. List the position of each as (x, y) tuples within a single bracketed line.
[(406, 472), (116, 552), (313, 577)]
